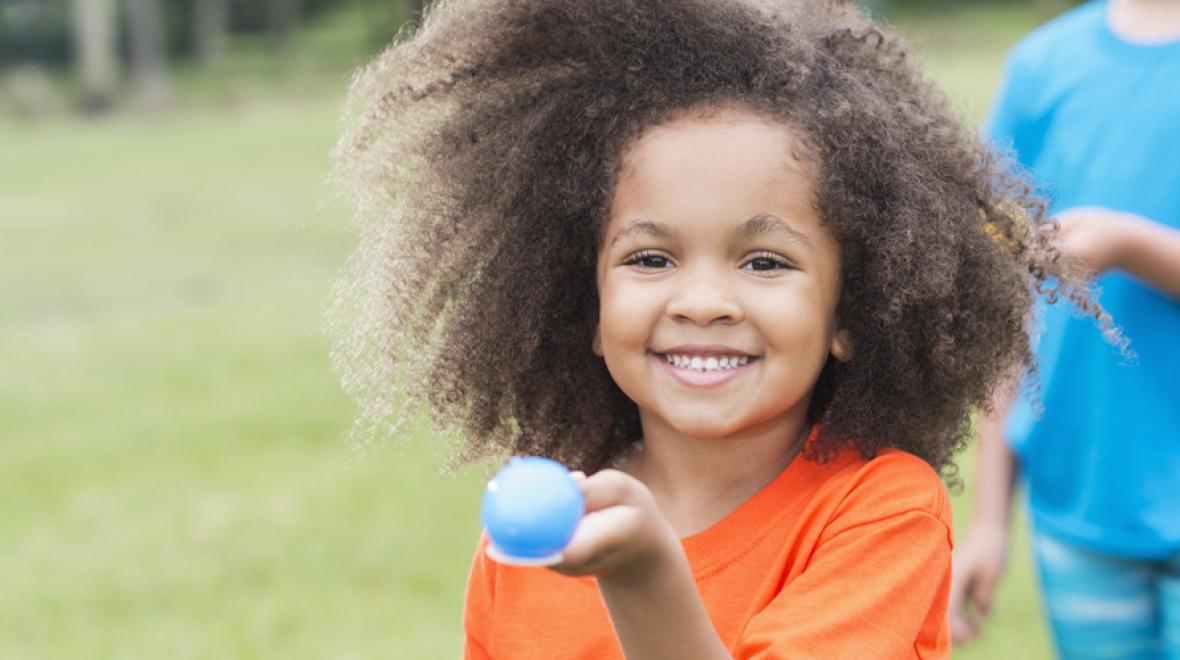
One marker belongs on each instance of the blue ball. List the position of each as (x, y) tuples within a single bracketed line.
[(530, 509)]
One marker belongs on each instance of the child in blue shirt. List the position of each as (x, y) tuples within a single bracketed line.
[(1091, 105)]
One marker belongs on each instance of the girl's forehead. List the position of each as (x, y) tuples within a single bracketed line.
[(723, 164), (728, 139)]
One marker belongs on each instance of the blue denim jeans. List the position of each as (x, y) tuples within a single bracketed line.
[(1103, 606)]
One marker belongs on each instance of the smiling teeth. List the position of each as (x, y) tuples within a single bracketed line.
[(708, 363)]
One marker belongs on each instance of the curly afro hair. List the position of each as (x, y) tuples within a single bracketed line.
[(482, 152)]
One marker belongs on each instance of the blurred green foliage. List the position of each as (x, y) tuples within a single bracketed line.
[(41, 31)]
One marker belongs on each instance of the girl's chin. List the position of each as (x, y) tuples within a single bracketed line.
[(704, 428), (698, 421)]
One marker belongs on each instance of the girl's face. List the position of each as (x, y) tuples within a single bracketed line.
[(718, 285)]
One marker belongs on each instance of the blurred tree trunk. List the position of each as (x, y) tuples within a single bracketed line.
[(283, 16), (94, 52), (145, 23), (210, 25)]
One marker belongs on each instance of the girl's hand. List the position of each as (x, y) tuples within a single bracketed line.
[(623, 533), (628, 545)]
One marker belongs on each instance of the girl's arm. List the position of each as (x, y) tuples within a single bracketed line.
[(642, 572), (1103, 238)]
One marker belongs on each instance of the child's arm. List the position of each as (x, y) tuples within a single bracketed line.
[(642, 572), (1104, 238), (980, 557)]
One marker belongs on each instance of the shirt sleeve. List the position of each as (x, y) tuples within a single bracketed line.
[(875, 587), (477, 607)]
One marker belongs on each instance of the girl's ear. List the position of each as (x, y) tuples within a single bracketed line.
[(596, 343), (842, 346)]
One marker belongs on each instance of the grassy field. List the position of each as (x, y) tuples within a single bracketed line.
[(173, 482)]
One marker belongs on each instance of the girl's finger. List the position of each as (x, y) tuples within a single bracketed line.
[(608, 488), (597, 535)]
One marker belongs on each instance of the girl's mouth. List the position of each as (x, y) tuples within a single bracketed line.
[(705, 371), (710, 363)]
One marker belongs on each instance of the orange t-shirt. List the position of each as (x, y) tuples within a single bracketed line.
[(850, 559)]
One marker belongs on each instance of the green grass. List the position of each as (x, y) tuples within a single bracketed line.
[(173, 482), (172, 478)]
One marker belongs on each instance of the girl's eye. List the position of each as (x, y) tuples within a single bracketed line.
[(767, 261), (648, 260)]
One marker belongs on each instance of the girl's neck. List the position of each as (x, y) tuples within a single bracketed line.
[(699, 481), (1144, 22)]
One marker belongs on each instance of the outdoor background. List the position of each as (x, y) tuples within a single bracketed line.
[(173, 478)]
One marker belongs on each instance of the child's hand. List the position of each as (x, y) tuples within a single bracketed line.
[(1100, 239), (625, 541), (1094, 237), (623, 531), (978, 563)]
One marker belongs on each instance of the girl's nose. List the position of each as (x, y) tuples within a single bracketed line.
[(705, 300)]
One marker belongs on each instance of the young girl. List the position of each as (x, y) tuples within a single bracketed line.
[(732, 259)]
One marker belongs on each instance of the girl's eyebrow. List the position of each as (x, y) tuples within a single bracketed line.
[(764, 223), (657, 229)]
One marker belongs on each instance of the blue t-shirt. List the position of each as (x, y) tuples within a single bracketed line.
[(1097, 121)]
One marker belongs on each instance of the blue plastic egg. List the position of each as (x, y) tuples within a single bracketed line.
[(530, 510)]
